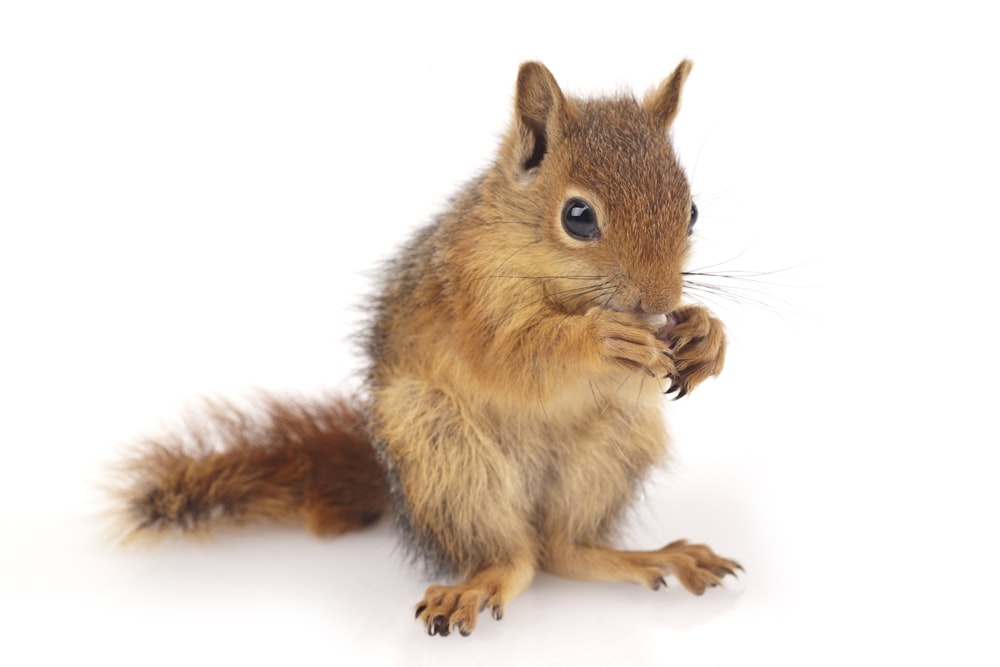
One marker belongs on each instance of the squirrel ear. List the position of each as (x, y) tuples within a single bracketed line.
[(664, 102), (537, 105)]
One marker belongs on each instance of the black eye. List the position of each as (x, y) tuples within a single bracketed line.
[(694, 217), (579, 220)]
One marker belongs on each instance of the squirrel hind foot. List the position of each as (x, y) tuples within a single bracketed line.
[(456, 608)]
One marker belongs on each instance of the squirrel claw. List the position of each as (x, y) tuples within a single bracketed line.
[(731, 567), (676, 386), (439, 626), (724, 570)]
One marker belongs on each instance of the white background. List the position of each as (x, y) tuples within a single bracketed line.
[(193, 196)]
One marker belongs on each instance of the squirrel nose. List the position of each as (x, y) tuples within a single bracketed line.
[(648, 306), (659, 300)]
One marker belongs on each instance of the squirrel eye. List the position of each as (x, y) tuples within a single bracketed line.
[(579, 220), (694, 217)]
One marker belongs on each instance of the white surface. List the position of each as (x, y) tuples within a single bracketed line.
[(190, 199)]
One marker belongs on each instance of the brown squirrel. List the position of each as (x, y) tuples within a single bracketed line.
[(518, 352)]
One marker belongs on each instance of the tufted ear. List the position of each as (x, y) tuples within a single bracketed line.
[(538, 104), (664, 102)]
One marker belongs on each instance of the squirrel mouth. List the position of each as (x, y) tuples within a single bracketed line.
[(664, 323)]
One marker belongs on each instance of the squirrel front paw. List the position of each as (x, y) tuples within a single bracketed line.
[(698, 342), (630, 343)]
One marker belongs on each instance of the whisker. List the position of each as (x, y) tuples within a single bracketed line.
[(748, 276), (568, 293), (554, 277), (741, 289), (720, 299), (724, 262), (759, 288), (580, 291), (583, 306), (609, 299), (741, 272), (738, 297)]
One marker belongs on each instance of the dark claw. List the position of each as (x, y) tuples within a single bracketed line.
[(681, 394), (420, 610), (465, 632), (659, 583), (497, 612), (441, 626)]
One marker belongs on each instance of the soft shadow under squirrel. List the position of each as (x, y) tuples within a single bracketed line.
[(519, 350)]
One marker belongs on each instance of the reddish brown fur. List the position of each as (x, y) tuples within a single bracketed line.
[(298, 462), (519, 411), (515, 376)]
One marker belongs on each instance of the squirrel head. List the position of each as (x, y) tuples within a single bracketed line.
[(600, 180)]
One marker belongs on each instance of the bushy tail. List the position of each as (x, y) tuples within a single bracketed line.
[(286, 461)]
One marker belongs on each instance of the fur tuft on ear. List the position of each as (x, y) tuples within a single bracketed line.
[(664, 102), (537, 105)]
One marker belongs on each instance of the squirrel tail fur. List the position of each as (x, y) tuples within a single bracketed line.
[(296, 462)]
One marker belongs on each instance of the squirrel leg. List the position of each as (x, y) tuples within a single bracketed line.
[(449, 608), (695, 565), (462, 497)]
